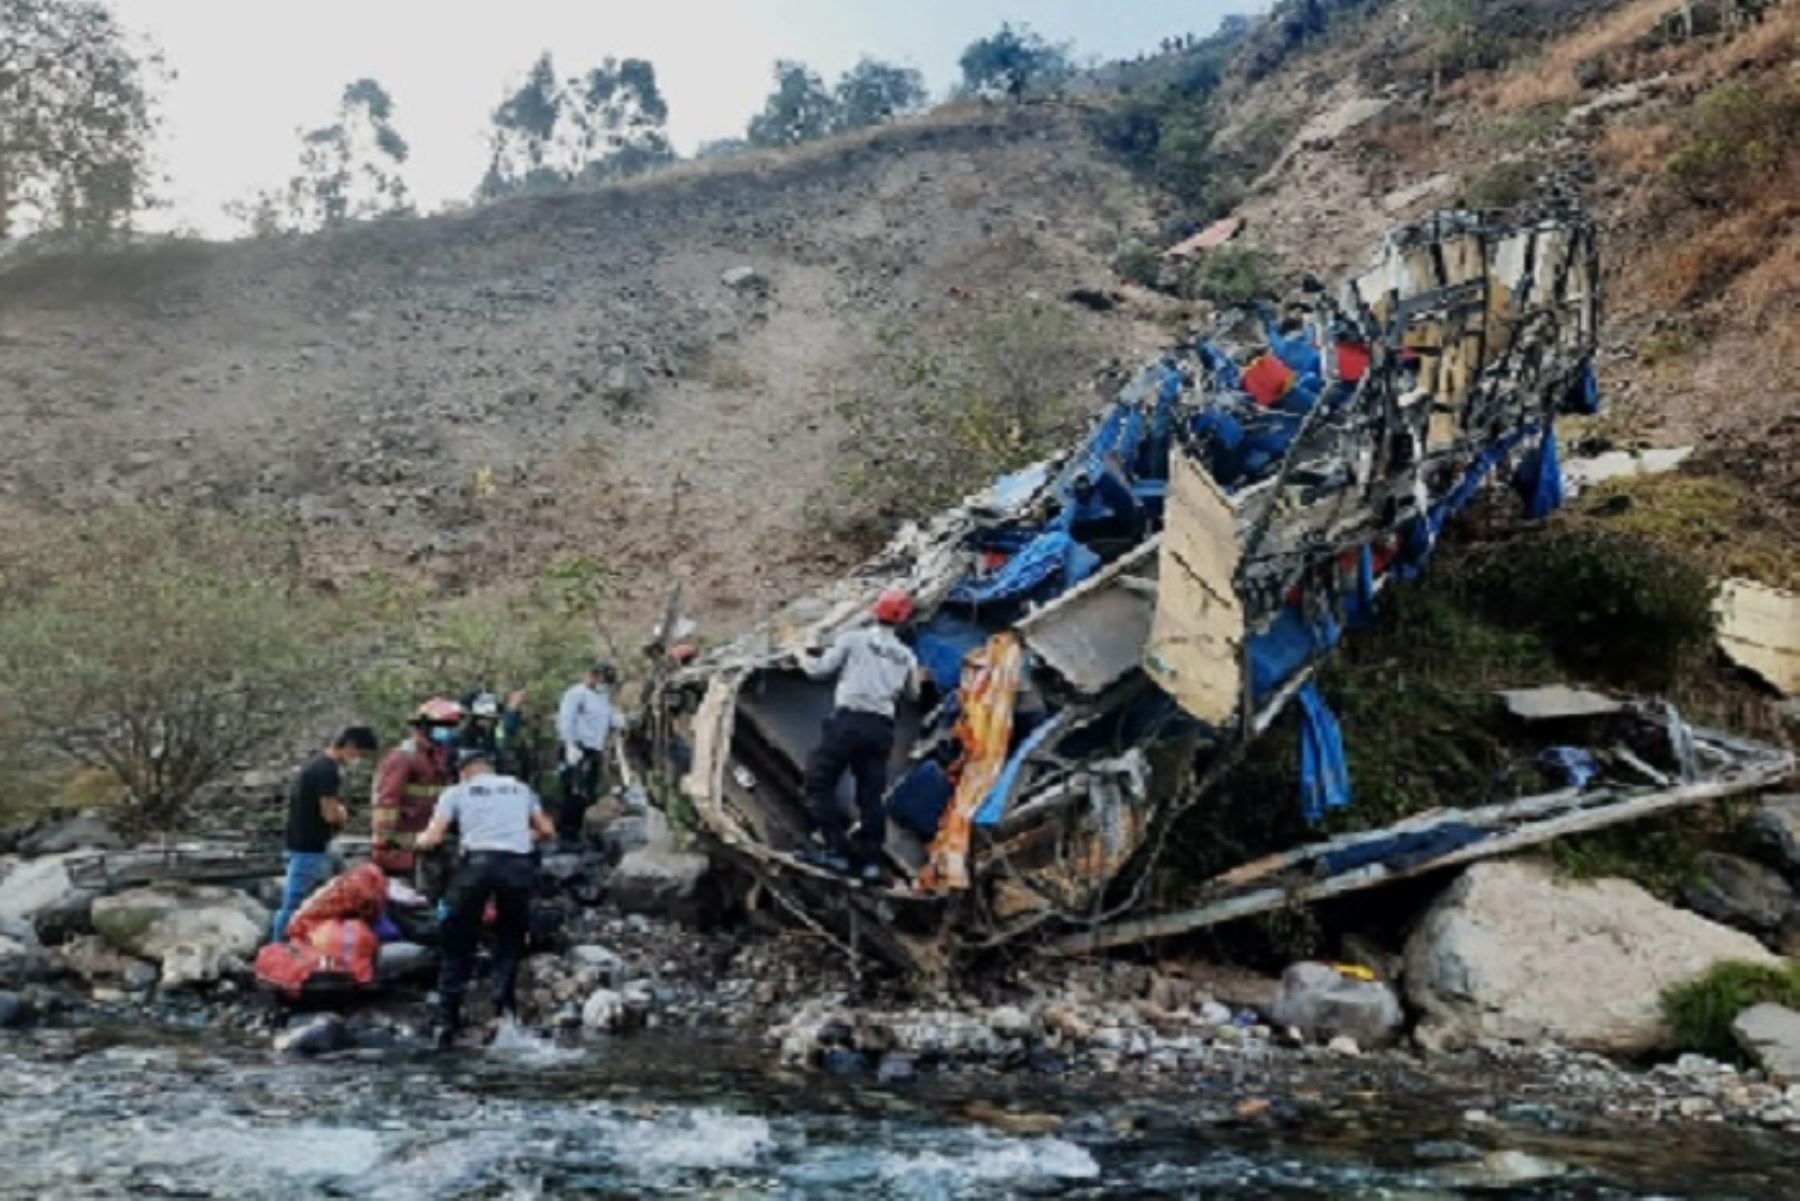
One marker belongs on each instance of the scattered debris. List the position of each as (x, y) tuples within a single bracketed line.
[(1121, 623), (1759, 629), (1216, 234), (744, 279), (1557, 701), (1580, 474)]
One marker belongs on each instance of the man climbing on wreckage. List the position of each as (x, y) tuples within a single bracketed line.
[(874, 670), (585, 719), (498, 820)]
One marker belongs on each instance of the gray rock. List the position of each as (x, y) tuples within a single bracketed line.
[(15, 1011), (624, 383), (150, 922), (605, 1010), (1777, 822), (1738, 892), (648, 880), (319, 1034), (608, 965), (1512, 953), (40, 891), (84, 831), (397, 961), (189, 964), (139, 976), (22, 961), (744, 279), (1322, 1004), (1770, 1034)]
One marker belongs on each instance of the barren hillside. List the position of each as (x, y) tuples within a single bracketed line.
[(468, 395)]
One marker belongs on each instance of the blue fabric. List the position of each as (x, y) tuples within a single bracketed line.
[(306, 870), (1576, 766), (1296, 350), (1290, 643), (1359, 606), (1586, 399), (1324, 776), (1540, 478), (917, 801), (1223, 368), (1422, 535), (993, 806), (942, 646), (1053, 554), (1402, 851)]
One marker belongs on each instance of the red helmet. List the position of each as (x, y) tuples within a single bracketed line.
[(438, 712), (893, 606)]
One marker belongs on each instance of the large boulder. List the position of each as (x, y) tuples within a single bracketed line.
[(1770, 1034), (40, 891), (1738, 892), (653, 880), (195, 928), (1512, 953), (1323, 1004)]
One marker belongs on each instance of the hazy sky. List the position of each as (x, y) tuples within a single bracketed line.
[(250, 72)]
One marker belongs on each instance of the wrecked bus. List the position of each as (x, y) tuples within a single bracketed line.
[(1107, 632)]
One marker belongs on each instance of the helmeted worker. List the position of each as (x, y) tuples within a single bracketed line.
[(407, 784), (494, 727), (585, 720), (874, 670), (498, 819)]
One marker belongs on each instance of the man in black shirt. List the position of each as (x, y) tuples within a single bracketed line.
[(316, 812)]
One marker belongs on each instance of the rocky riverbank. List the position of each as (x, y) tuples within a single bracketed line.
[(1534, 999)]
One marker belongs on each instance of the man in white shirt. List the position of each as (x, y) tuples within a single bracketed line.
[(585, 720), (874, 670), (498, 819)]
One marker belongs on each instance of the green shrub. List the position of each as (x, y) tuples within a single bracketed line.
[(1139, 264), (1611, 605), (1661, 854), (1701, 1011), (1739, 140), (1234, 274), (160, 648), (1505, 185)]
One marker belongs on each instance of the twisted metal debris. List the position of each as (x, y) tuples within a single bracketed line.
[(1155, 598)]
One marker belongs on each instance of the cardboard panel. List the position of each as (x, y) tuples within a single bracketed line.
[(1193, 651)]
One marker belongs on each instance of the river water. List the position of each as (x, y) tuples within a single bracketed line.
[(128, 1114)]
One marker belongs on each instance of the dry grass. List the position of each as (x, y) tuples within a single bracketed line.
[(1551, 77)]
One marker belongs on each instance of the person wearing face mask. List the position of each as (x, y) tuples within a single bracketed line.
[(407, 784), (315, 813)]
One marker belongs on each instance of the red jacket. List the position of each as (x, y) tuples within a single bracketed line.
[(407, 783)]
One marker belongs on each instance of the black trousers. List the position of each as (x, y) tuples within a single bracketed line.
[(580, 787), (507, 880), (863, 743)]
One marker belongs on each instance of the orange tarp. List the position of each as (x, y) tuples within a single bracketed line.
[(990, 686)]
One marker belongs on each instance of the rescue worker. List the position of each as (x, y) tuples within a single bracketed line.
[(316, 812), (874, 669), (498, 820), (407, 783), (494, 728), (585, 720)]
